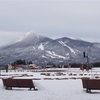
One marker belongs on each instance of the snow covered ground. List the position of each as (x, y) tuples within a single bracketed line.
[(51, 87)]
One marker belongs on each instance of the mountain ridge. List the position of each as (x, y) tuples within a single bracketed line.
[(40, 49)]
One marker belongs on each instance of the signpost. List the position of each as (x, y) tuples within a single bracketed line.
[(87, 57)]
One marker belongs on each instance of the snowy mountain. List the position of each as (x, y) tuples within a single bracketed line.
[(41, 50)]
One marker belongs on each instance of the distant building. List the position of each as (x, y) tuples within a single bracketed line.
[(10, 67), (33, 66)]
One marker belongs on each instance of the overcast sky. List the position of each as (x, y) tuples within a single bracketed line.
[(52, 18)]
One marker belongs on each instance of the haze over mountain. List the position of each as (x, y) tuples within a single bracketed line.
[(41, 50)]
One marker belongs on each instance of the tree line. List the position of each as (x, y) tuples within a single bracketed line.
[(72, 65), (19, 61)]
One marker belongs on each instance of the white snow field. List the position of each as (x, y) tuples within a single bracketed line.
[(67, 86)]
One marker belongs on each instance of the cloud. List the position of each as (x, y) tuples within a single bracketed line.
[(7, 37), (52, 18)]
